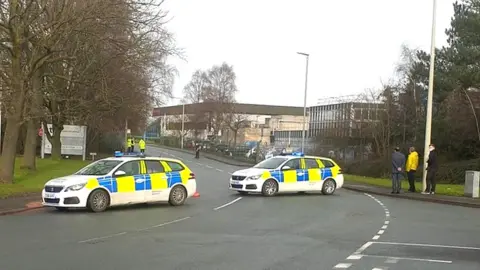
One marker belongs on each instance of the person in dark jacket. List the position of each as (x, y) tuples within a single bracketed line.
[(398, 169), (432, 168)]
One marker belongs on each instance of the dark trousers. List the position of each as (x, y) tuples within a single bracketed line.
[(431, 183), (396, 182), (411, 180), (197, 154), (142, 150)]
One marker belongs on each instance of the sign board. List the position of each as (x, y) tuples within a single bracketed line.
[(73, 138), (129, 131)]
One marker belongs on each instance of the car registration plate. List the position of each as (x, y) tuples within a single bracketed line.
[(49, 195), (235, 182)]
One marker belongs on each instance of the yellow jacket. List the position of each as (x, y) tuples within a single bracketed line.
[(141, 144), (412, 161)]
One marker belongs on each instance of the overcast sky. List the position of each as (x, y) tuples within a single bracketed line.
[(353, 44)]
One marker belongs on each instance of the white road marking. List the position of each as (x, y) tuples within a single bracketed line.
[(219, 170), (362, 248), (227, 204), (387, 222), (163, 224), (354, 257), (199, 164), (208, 166), (381, 232), (376, 237), (408, 259), (342, 266), (391, 260), (103, 237), (426, 245), (376, 268), (384, 227)]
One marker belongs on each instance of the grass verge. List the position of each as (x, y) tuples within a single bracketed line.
[(443, 189), (26, 181)]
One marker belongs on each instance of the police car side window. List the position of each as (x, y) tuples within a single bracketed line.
[(294, 164), (311, 164), (327, 163), (154, 166), (130, 168), (174, 166)]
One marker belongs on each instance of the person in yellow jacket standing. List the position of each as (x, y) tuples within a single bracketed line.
[(411, 168), (141, 145), (129, 145)]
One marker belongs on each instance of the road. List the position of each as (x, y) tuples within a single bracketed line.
[(221, 230)]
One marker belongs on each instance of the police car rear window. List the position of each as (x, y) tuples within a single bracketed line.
[(175, 166), (327, 163)]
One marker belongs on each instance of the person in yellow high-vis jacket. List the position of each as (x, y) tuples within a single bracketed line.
[(141, 145), (129, 145), (411, 168)]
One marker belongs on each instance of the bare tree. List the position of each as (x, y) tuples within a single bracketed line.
[(237, 122)]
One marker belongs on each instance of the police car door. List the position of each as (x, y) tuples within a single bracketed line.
[(156, 182), (313, 174), (293, 176), (131, 186)]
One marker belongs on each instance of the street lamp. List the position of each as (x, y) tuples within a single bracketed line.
[(428, 124), (304, 101), (183, 122)]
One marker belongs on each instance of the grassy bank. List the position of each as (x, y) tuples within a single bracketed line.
[(444, 189), (26, 181)]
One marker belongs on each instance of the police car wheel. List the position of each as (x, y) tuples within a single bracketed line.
[(329, 187), (178, 195), (98, 201), (269, 188)]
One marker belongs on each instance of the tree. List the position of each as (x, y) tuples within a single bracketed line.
[(237, 122), (195, 92), (220, 91)]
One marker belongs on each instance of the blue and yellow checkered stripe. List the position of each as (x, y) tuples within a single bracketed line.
[(156, 181), (312, 175)]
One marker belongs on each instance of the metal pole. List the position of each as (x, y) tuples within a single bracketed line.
[(126, 135), (428, 124), (305, 102), (183, 124)]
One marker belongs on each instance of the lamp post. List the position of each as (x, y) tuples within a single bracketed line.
[(428, 124), (183, 124), (304, 100)]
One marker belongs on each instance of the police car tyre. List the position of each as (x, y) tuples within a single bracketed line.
[(178, 195), (98, 201), (329, 187), (270, 187)]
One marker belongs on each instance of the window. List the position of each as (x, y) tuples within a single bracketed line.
[(154, 166), (271, 163), (327, 163), (176, 167), (101, 167), (311, 164), (130, 168), (293, 164)]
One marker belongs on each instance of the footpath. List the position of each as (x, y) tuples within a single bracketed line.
[(442, 199), (16, 205)]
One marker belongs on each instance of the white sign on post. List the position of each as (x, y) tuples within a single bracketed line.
[(73, 138)]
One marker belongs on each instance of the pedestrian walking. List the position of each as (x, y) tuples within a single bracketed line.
[(398, 168), (432, 168), (411, 168), (141, 145)]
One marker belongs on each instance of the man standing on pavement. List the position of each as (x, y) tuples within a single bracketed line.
[(412, 165), (398, 165), (141, 145), (432, 168)]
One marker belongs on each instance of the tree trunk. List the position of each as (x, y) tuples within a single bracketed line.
[(56, 143), (235, 133), (30, 154)]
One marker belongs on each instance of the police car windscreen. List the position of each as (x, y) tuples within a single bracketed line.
[(271, 163), (100, 167)]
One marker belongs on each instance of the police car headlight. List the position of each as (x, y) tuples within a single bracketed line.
[(76, 187), (254, 177)]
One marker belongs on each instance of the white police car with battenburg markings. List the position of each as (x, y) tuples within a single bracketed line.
[(291, 172), (121, 180)]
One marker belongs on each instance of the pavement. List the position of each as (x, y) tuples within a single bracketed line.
[(223, 230), (20, 204)]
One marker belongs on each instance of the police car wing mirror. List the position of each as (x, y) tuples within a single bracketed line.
[(286, 168), (120, 173)]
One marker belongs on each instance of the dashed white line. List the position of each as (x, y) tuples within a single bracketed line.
[(408, 259), (381, 232), (426, 245), (354, 257), (227, 204), (376, 237), (208, 166), (384, 227), (342, 266), (164, 224), (101, 238), (219, 170)]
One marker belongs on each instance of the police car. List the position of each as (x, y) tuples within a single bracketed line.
[(293, 172), (120, 180)]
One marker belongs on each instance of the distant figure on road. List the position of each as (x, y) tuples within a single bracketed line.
[(398, 165), (197, 150), (412, 165), (432, 168), (141, 145)]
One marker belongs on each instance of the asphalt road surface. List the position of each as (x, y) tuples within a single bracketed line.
[(222, 230)]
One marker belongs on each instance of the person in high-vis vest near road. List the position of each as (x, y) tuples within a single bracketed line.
[(129, 145), (133, 144), (141, 145)]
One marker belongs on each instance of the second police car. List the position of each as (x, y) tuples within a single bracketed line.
[(121, 180), (289, 173)]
